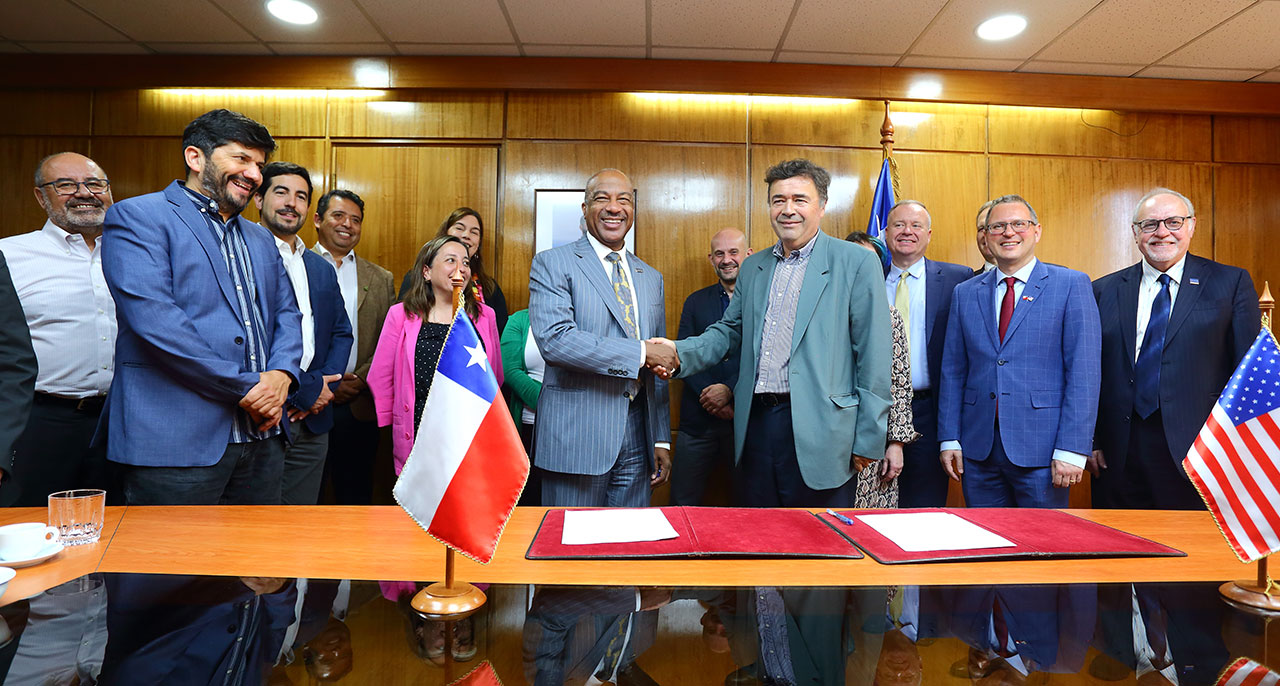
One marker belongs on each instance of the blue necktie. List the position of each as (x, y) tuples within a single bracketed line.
[(1147, 399)]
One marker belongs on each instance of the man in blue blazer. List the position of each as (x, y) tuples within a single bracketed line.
[(921, 290), (603, 425), (209, 332), (1020, 372), (283, 200)]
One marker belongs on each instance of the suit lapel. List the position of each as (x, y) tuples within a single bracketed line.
[(1188, 292), (816, 276), (590, 266), (759, 297), (362, 282), (988, 291), (932, 296), (640, 286), (1127, 307), (259, 263), (199, 226), (1030, 293)]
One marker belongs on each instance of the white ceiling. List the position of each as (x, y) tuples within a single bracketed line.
[(1226, 40)]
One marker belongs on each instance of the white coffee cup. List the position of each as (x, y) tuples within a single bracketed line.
[(26, 540)]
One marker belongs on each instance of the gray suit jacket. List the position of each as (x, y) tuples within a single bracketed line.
[(840, 356), (577, 322)]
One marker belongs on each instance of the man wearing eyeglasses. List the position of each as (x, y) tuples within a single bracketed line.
[(1020, 372), (57, 273)]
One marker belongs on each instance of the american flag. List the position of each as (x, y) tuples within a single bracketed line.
[(1235, 461), (1246, 672)]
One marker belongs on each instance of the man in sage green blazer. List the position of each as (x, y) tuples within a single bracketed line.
[(813, 386)]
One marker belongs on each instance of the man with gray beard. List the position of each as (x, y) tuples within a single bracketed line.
[(57, 273)]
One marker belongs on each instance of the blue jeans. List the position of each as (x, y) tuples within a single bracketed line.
[(247, 474)]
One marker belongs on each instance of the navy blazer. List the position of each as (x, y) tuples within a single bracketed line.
[(333, 340), (702, 309), (941, 279), (1214, 321)]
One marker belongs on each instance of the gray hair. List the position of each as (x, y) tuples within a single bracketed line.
[(1191, 209), (986, 207), (1012, 198)]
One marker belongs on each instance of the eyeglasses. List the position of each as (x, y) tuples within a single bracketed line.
[(69, 187), (1018, 226), (1171, 223)]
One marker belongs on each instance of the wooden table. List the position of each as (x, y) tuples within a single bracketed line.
[(383, 543)]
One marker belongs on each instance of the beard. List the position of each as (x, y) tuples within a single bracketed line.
[(216, 183), (271, 222)]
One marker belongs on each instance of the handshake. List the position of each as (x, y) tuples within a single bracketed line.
[(660, 357)]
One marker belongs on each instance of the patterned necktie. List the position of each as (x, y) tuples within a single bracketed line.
[(1147, 398), (902, 301), (622, 291), (1006, 305)]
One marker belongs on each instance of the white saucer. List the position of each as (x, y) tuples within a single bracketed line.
[(48, 551)]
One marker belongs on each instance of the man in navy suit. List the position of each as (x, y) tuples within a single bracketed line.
[(921, 290), (283, 200), (209, 331), (706, 405), (1020, 372)]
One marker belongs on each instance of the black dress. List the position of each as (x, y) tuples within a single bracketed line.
[(425, 356)]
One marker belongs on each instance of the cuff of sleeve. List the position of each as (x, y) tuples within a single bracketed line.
[(662, 444), (949, 445), (642, 356), (1073, 459)]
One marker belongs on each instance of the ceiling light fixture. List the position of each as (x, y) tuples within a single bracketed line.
[(1002, 27), (292, 11)]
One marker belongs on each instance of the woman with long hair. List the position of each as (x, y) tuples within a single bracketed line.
[(466, 224)]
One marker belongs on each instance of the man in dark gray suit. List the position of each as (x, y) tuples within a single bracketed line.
[(603, 423)]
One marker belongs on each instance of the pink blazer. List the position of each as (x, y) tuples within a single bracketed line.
[(391, 373)]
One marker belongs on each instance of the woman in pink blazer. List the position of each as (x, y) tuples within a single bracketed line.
[(413, 335)]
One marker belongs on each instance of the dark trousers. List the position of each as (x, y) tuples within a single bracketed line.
[(532, 493), (54, 454), (923, 483), (1147, 477), (353, 448), (697, 457), (303, 466), (247, 474), (769, 473), (998, 482)]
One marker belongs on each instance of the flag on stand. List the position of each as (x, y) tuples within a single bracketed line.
[(467, 466), (482, 675), (881, 203), (1246, 672), (1235, 461)]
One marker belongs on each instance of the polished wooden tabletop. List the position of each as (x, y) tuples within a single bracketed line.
[(383, 543)]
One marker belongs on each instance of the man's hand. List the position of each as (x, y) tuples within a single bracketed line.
[(661, 467), (1096, 463), (716, 397), (348, 389), (265, 401), (1065, 475), (326, 395), (891, 465), (297, 414), (725, 412), (952, 463), (660, 356)]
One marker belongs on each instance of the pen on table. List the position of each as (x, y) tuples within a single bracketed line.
[(843, 519)]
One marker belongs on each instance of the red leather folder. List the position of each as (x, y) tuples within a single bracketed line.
[(1036, 534), (709, 531)]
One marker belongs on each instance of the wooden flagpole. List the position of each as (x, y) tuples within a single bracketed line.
[(886, 147)]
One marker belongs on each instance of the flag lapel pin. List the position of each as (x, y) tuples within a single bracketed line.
[(1195, 281)]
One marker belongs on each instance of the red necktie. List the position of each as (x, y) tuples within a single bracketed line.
[(1006, 305)]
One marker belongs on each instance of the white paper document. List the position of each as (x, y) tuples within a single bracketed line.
[(583, 527), (919, 532)]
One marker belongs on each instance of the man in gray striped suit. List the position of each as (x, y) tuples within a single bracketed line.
[(603, 425)]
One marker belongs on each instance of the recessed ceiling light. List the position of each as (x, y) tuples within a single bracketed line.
[(1002, 27), (292, 11), (925, 89)]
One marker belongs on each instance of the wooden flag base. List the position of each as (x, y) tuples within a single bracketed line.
[(1253, 595), (450, 600)]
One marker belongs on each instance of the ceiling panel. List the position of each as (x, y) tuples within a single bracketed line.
[(483, 49), (86, 48), (52, 20), (1268, 77), (952, 33), (439, 22), (155, 20), (959, 63), (719, 23), (1049, 67), (633, 51), (1163, 72), (837, 58), (340, 20), (870, 26), (224, 48), (725, 54), (1122, 31), (574, 22), (1247, 41)]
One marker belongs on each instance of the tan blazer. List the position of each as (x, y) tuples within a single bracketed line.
[(376, 295)]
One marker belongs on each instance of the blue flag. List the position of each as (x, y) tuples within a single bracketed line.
[(881, 203)]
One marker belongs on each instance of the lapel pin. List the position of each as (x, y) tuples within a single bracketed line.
[(1195, 282), (1028, 298)]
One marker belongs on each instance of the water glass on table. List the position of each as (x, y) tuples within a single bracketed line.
[(78, 515)]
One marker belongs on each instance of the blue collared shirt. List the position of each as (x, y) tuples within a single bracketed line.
[(780, 318)]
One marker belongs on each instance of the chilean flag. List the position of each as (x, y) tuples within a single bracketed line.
[(1246, 672), (467, 467)]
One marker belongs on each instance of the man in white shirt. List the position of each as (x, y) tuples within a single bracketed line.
[(57, 273), (283, 200), (368, 291)]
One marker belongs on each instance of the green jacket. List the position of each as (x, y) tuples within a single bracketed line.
[(524, 390)]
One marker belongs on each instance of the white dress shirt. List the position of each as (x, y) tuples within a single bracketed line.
[(350, 287), (297, 271), (916, 279), (536, 368), (68, 309), (1148, 287)]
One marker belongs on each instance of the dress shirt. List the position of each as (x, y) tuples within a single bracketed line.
[(68, 309), (1148, 287), (780, 318), (1073, 459), (297, 271), (350, 287), (986, 267), (916, 276), (536, 368), (602, 251)]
